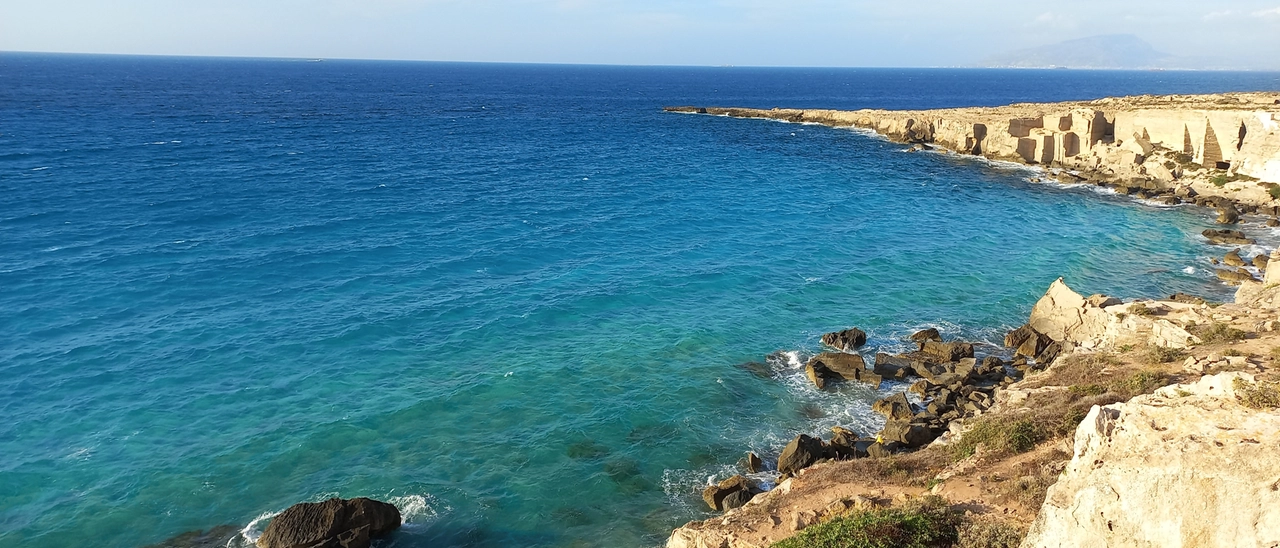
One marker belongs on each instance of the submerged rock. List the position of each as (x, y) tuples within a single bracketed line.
[(848, 340), (218, 537), (334, 523), (930, 334)]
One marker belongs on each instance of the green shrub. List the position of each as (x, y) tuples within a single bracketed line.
[(1159, 354), (1087, 389), (999, 436), (1143, 382), (1218, 180), (1258, 395), (1219, 332), (990, 533), (1274, 190), (924, 523)]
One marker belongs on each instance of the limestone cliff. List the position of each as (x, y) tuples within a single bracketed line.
[(1224, 145), (1185, 466)]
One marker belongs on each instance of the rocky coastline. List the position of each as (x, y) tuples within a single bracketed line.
[(1055, 440)]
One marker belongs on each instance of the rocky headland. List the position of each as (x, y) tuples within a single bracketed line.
[(1103, 422)]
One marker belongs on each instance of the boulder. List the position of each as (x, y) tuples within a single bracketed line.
[(1227, 237), (1185, 466), (930, 334), (907, 433), (334, 523), (1018, 336), (893, 367), (754, 464), (1228, 215), (839, 366), (801, 453), (1234, 276), (1232, 258), (947, 352), (1063, 315), (715, 495), (847, 340), (895, 407), (737, 499), (1260, 261), (844, 444)]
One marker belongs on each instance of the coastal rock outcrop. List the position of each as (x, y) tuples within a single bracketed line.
[(829, 366), (334, 523), (847, 340), (1186, 466)]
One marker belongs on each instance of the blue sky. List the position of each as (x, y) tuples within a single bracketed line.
[(1243, 34)]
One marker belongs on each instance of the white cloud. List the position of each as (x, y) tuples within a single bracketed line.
[(1218, 15), (1273, 12)]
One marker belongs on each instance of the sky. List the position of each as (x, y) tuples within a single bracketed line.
[(897, 33)]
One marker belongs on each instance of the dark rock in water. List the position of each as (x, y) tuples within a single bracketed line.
[(801, 453), (586, 449), (948, 352), (1018, 336), (1228, 215), (1229, 237), (847, 340), (895, 407), (1273, 222), (1260, 261), (1234, 276), (715, 495), (1232, 258), (218, 537), (929, 334), (839, 366), (757, 369), (754, 464), (334, 523), (812, 410), (893, 367), (737, 499)]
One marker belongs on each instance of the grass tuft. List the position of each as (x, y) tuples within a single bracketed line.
[(1219, 332), (1258, 395), (923, 523), (990, 533)]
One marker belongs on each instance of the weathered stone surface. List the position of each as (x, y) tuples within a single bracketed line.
[(893, 367), (906, 433), (847, 340), (334, 523), (839, 366), (949, 351), (1186, 466), (1232, 258), (801, 453), (844, 444), (1064, 315), (1019, 336), (1228, 215), (1234, 276), (1227, 237), (737, 499), (895, 407), (754, 464), (715, 495), (929, 334)]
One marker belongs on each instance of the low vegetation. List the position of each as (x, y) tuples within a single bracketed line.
[(990, 533), (923, 523), (1258, 395), (1218, 332)]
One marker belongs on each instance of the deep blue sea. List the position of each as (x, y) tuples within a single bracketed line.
[(513, 299)]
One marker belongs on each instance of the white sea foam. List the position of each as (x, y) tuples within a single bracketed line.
[(1189, 270), (253, 531), (417, 509), (41, 168)]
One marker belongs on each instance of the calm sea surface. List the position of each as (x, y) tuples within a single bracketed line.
[(515, 300)]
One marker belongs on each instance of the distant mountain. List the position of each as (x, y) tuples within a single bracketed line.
[(1115, 51)]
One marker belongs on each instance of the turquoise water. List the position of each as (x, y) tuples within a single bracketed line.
[(515, 300)]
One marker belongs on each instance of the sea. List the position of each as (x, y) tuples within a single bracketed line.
[(520, 302)]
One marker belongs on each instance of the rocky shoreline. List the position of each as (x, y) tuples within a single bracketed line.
[(1049, 413)]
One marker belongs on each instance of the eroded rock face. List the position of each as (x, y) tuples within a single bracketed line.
[(839, 366), (334, 523), (1186, 466)]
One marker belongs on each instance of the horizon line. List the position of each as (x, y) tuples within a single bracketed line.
[(650, 65)]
